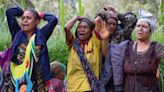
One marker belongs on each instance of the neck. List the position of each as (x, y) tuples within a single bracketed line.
[(143, 42), (143, 45), (29, 34)]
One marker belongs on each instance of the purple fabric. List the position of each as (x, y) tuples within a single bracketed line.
[(113, 67), (5, 57), (55, 85)]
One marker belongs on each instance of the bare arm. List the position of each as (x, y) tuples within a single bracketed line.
[(68, 26), (100, 28)]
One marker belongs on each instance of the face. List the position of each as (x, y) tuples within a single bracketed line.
[(143, 30), (111, 25), (28, 21), (84, 31)]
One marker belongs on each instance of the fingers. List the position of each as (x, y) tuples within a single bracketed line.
[(41, 15), (103, 24), (81, 17), (98, 20)]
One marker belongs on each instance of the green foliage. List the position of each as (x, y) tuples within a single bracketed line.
[(57, 47), (161, 75), (161, 15), (23, 4), (81, 8), (5, 35), (61, 8)]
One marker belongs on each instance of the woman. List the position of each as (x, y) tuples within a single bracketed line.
[(137, 61), (118, 31), (83, 66), (121, 24), (143, 57), (29, 49)]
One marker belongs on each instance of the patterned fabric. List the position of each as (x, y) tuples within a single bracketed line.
[(124, 28), (18, 71), (38, 78), (113, 67), (58, 70), (5, 58), (1, 80), (87, 68), (145, 65), (5, 83), (55, 85), (106, 13)]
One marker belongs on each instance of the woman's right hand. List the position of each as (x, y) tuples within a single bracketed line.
[(97, 22), (104, 33)]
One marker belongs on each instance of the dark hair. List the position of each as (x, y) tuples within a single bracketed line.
[(89, 22), (35, 13)]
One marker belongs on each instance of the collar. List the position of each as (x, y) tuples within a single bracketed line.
[(83, 42)]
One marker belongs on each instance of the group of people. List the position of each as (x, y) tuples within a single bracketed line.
[(102, 55)]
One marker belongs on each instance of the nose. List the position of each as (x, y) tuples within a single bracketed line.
[(82, 29), (112, 26), (139, 28)]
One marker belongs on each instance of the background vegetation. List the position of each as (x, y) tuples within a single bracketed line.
[(66, 9)]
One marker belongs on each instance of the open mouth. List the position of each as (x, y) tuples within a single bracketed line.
[(81, 34), (25, 25)]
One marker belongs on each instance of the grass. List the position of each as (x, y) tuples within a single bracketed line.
[(161, 76), (57, 47), (4, 35)]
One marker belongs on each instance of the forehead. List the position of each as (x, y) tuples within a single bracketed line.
[(28, 13), (111, 20), (84, 24), (142, 22)]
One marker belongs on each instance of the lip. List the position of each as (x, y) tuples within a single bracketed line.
[(25, 24), (81, 33), (139, 32)]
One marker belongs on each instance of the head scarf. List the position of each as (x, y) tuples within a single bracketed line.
[(58, 70), (89, 22), (147, 16), (111, 14), (107, 13)]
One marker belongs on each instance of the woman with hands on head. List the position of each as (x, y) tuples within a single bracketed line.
[(84, 54), (29, 49)]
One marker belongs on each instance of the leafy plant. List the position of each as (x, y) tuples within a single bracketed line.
[(80, 8), (161, 75), (61, 8)]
